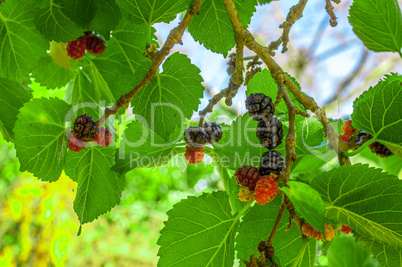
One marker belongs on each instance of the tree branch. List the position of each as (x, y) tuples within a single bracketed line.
[(235, 82), (306, 101), (294, 14), (173, 38)]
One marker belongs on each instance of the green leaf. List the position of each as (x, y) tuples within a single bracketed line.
[(99, 188), (22, 44), (256, 226), (307, 164), (232, 189), (263, 82), (307, 256), (345, 251), (55, 25), (141, 148), (124, 55), (90, 90), (48, 73), (239, 144), (366, 199), (98, 15), (151, 11), (378, 112), (385, 255), (212, 27), (378, 24), (309, 137), (171, 97), (307, 202), (13, 97), (199, 230), (40, 138)]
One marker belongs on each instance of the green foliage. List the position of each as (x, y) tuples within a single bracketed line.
[(378, 24), (55, 25), (385, 255), (203, 228), (139, 148), (14, 95), (345, 251), (213, 29), (378, 111), (366, 199), (307, 202), (256, 226), (48, 73), (151, 11), (40, 137), (19, 55), (90, 168), (241, 147), (172, 95), (99, 15)]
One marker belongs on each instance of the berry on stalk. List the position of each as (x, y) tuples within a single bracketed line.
[(195, 136), (213, 132), (76, 48), (380, 150), (75, 144), (266, 190), (270, 132), (247, 176), (348, 129), (346, 229), (245, 194), (194, 155), (271, 162), (85, 128), (310, 232), (95, 45), (345, 137), (260, 106), (104, 137)]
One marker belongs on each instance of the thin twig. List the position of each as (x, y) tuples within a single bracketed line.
[(277, 222), (330, 10), (235, 82), (173, 38), (294, 14)]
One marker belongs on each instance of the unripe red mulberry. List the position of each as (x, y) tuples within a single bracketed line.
[(348, 129), (75, 144), (346, 229), (310, 232), (265, 190), (95, 45), (194, 155), (104, 137), (76, 48)]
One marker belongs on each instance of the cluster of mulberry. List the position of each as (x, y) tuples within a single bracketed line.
[(85, 130), (362, 137), (270, 133), (310, 232), (92, 43), (197, 137)]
